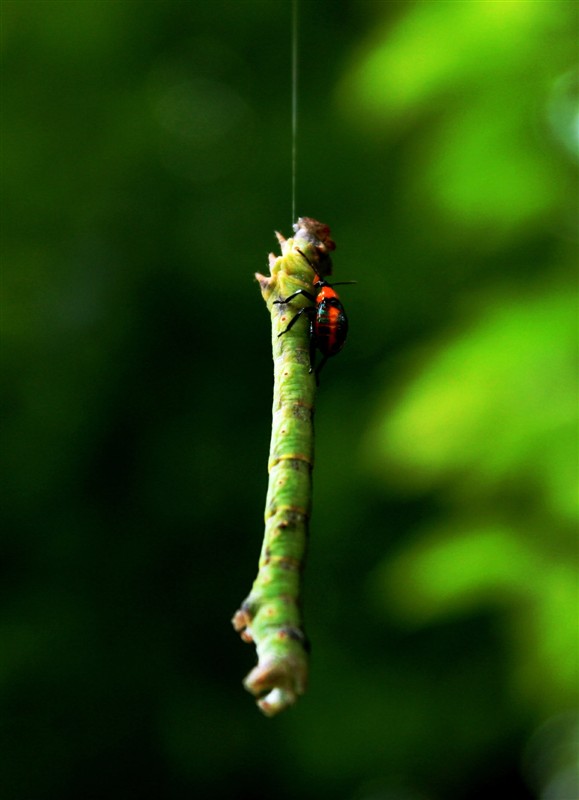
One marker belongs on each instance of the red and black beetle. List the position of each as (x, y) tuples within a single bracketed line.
[(327, 320)]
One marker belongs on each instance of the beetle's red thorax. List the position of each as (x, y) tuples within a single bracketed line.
[(326, 293)]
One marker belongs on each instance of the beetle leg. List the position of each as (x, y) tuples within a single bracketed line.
[(291, 297), (306, 310)]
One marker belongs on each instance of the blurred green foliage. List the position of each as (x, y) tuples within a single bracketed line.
[(146, 162)]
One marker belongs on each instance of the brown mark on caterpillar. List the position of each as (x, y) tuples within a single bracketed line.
[(286, 563), (301, 412), (291, 632)]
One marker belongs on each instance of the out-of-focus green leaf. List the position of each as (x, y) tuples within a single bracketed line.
[(492, 418), (437, 49), (497, 403), (468, 65), (531, 582), (448, 572)]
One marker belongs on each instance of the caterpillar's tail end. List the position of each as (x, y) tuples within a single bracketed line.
[(278, 683), (281, 673)]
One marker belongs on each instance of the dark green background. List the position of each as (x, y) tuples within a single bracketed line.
[(146, 163)]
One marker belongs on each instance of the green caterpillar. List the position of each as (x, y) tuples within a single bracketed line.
[(271, 615)]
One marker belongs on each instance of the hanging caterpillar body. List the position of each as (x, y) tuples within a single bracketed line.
[(271, 614)]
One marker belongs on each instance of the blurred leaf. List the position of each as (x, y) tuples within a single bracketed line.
[(493, 417), (464, 70), (454, 571), (497, 403), (436, 48)]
